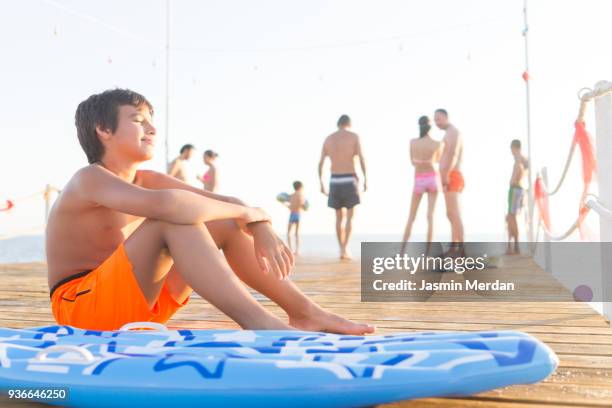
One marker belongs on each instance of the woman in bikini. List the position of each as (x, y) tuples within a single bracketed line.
[(210, 177), (424, 154)]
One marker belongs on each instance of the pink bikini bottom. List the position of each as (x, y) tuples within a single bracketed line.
[(426, 182)]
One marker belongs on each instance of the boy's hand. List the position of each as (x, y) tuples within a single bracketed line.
[(271, 252), (323, 189), (252, 216)]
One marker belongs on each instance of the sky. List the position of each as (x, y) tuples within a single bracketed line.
[(263, 83)]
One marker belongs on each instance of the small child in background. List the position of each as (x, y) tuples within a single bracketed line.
[(296, 204), (516, 194)]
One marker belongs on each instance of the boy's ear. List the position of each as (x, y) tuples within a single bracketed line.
[(103, 133)]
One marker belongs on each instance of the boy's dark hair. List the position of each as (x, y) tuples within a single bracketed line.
[(442, 111), (344, 120), (103, 110), (297, 185), (515, 144), (188, 146)]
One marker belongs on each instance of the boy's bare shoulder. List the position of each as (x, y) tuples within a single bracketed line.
[(75, 191), (95, 177), (85, 175)]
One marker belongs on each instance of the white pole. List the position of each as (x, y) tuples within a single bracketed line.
[(167, 83), (603, 123), (547, 245), (47, 197), (528, 107)]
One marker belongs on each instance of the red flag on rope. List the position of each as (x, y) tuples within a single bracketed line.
[(585, 232), (9, 205), (589, 167), (541, 199), (589, 163)]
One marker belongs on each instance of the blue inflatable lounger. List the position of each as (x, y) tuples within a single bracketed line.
[(161, 367)]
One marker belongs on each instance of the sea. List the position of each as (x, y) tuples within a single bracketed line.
[(31, 248)]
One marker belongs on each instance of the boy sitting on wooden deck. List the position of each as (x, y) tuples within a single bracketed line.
[(126, 245)]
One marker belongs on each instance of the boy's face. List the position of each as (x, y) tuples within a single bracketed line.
[(515, 150), (135, 134)]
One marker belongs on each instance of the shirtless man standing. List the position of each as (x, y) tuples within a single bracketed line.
[(450, 173), (341, 147), (177, 167)]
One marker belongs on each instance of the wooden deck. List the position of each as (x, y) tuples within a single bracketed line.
[(580, 336)]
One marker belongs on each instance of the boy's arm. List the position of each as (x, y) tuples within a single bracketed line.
[(267, 244), (100, 186), (159, 181)]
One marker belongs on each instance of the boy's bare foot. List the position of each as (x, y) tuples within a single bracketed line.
[(321, 320), (271, 323)]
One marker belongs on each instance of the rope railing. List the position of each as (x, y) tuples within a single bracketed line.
[(575, 226), (596, 205), (568, 162), (49, 189), (8, 206), (601, 88)]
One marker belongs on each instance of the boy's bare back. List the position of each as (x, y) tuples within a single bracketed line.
[(296, 202)]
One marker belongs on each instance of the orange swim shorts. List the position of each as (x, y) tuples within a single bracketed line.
[(108, 297), (455, 182)]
